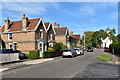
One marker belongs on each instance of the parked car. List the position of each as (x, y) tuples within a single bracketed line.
[(6, 51), (89, 49), (107, 50), (79, 51), (21, 55), (69, 52)]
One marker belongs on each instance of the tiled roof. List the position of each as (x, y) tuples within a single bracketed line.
[(47, 24), (77, 36), (60, 31), (17, 25), (72, 36)]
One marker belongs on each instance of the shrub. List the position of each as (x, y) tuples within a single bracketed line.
[(50, 49), (116, 48), (63, 46), (33, 54), (48, 54), (57, 47)]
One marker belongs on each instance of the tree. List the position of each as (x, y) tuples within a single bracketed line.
[(96, 38), (57, 47), (111, 33), (88, 35)]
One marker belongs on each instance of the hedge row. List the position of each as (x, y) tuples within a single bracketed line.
[(115, 48), (50, 54), (33, 54)]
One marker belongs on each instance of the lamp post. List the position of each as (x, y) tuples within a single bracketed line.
[(84, 41)]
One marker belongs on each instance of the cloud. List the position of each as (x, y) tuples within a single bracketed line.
[(87, 10), (24, 7)]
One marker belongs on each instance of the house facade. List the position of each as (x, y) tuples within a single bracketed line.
[(106, 42), (26, 34), (62, 34), (50, 34)]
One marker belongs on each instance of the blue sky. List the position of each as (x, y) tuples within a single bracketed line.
[(78, 16)]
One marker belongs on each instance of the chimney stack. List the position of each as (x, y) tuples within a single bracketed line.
[(24, 22), (56, 25), (71, 32), (7, 24)]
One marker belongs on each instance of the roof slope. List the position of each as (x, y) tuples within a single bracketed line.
[(77, 36), (60, 31), (47, 24), (17, 25)]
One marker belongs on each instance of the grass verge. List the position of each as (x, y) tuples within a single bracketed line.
[(104, 57)]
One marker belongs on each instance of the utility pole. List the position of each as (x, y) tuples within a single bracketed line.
[(84, 41)]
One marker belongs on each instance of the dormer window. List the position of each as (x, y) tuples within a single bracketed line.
[(41, 33), (10, 36), (51, 36)]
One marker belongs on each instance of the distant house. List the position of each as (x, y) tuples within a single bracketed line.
[(73, 41), (62, 34), (106, 42), (27, 34), (77, 36)]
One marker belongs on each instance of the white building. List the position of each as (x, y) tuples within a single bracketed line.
[(106, 42)]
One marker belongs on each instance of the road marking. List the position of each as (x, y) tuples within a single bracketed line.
[(3, 69)]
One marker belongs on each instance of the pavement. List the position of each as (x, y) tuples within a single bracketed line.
[(78, 67), (22, 63)]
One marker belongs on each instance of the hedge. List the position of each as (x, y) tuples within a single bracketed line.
[(50, 54), (33, 54), (116, 48)]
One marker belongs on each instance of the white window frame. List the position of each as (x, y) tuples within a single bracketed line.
[(9, 36), (51, 36), (41, 35), (50, 44), (9, 45)]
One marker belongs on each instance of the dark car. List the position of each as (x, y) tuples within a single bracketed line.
[(89, 49), (6, 51), (21, 55)]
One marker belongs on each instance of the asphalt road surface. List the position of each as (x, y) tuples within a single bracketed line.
[(84, 66)]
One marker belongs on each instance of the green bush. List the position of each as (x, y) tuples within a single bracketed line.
[(33, 54), (116, 48), (104, 57), (57, 47)]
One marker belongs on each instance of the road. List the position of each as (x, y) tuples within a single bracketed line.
[(78, 67)]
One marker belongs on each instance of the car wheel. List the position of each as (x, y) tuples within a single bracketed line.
[(72, 56)]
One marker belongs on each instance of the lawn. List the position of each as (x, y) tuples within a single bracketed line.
[(104, 57)]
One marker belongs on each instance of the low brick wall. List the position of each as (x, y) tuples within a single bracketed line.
[(9, 57)]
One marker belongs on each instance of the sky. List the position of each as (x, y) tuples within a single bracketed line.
[(77, 16)]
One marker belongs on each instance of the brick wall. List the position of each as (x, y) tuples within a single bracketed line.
[(25, 41), (61, 38)]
